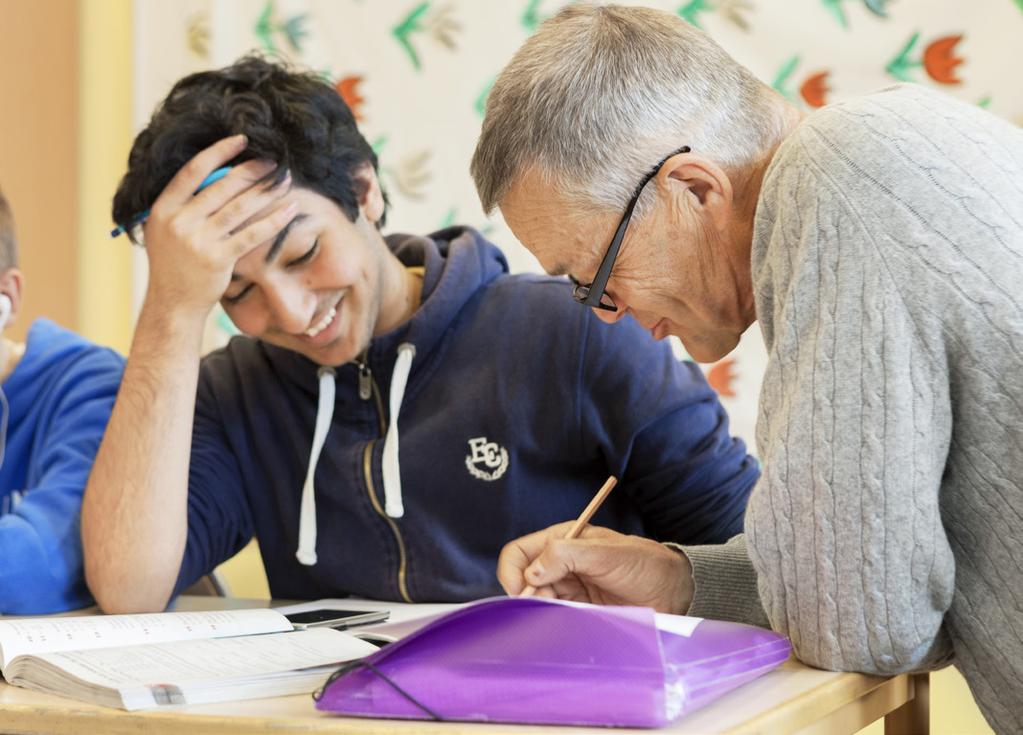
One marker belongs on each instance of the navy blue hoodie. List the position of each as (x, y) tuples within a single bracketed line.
[(519, 404)]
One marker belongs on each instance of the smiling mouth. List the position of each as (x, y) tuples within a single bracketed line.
[(325, 321), (322, 324)]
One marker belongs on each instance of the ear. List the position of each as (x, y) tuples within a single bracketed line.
[(707, 183), (371, 198), (11, 283)]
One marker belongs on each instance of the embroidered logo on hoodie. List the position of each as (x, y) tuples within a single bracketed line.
[(486, 460)]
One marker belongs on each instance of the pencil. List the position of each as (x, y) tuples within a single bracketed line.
[(582, 520)]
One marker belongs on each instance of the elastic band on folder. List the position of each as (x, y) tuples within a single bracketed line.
[(360, 664)]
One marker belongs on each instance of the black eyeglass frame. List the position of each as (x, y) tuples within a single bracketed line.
[(592, 294)]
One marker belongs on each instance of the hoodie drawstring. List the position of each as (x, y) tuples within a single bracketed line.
[(393, 505), (306, 553)]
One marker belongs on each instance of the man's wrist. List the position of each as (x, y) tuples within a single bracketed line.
[(724, 582), (171, 324), (683, 574)]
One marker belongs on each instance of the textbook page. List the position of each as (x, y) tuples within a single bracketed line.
[(40, 635), (189, 671)]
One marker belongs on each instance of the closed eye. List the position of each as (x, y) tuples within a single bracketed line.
[(305, 257), (239, 296)]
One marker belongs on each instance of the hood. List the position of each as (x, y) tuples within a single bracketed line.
[(457, 262)]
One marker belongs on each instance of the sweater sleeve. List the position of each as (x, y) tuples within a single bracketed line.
[(724, 583), (219, 519), (844, 528), (40, 544), (664, 432)]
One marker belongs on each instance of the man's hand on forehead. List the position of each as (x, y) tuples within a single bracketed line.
[(195, 235)]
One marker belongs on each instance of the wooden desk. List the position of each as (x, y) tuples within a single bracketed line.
[(791, 699)]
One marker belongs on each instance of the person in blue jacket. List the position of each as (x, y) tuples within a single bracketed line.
[(56, 395), (399, 407)]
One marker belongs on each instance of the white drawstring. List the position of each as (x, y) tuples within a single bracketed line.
[(306, 553), (392, 470)]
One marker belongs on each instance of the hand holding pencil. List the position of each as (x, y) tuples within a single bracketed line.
[(596, 565), (582, 520)]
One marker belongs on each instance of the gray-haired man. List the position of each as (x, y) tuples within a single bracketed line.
[(880, 244)]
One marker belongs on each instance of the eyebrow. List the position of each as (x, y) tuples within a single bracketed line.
[(278, 243), (281, 236)]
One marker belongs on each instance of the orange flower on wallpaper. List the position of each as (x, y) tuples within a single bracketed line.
[(815, 89), (721, 377), (940, 59), (348, 88)]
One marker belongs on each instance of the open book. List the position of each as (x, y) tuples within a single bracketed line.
[(143, 661)]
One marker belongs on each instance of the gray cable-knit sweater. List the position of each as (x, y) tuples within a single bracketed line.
[(886, 533)]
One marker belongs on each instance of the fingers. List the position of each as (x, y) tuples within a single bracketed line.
[(239, 179), (237, 212), (546, 592), (185, 182), (588, 558), (256, 233), (517, 555), (555, 562)]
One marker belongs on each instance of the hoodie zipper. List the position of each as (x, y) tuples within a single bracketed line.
[(367, 389)]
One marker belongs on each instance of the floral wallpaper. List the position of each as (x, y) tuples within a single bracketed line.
[(417, 73)]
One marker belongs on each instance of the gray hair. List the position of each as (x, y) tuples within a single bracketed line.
[(600, 94)]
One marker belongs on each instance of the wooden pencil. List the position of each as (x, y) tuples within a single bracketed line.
[(582, 520)]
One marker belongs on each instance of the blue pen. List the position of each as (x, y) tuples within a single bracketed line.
[(140, 218)]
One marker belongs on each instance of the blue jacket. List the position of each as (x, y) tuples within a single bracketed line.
[(59, 398), (519, 404)]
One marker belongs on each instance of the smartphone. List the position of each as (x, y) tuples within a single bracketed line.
[(333, 618)]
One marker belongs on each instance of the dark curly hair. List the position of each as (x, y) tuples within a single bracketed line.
[(293, 118)]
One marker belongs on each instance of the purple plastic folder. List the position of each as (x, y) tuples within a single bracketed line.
[(530, 660)]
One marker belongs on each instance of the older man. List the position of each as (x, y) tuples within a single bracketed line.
[(880, 244)]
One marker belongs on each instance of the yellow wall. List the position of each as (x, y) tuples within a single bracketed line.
[(39, 105), (105, 133)]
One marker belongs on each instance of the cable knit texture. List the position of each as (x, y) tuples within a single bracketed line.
[(887, 529)]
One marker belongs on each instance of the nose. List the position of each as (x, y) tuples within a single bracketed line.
[(610, 317), (293, 308)]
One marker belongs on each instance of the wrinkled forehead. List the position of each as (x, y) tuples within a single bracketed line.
[(562, 234)]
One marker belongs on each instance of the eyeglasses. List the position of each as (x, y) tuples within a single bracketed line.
[(592, 294)]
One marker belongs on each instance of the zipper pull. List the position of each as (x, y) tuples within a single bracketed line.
[(365, 382)]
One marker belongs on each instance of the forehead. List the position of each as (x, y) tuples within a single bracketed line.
[(312, 208), (551, 226)]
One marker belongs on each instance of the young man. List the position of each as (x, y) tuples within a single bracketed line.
[(55, 399), (400, 407)]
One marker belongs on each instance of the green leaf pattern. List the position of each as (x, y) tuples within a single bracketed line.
[(427, 66)]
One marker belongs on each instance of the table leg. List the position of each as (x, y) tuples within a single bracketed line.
[(912, 718)]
